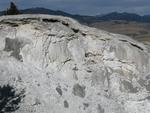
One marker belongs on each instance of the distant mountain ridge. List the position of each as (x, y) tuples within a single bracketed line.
[(80, 18), (125, 16), (89, 19)]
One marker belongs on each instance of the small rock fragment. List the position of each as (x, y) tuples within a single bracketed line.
[(59, 91), (100, 109), (66, 105), (79, 90), (85, 105)]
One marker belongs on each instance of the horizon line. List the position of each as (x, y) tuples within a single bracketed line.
[(121, 12)]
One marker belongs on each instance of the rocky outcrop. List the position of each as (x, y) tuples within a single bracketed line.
[(65, 67)]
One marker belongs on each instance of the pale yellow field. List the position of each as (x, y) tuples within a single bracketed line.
[(138, 31)]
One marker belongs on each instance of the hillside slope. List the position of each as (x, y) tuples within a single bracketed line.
[(136, 30), (65, 67)]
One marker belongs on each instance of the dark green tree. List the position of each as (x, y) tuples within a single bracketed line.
[(13, 10), (9, 99)]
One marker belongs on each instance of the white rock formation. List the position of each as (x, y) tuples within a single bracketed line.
[(65, 67)]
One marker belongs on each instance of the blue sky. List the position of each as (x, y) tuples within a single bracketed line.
[(86, 7)]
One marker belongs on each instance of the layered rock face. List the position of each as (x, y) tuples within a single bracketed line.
[(65, 67)]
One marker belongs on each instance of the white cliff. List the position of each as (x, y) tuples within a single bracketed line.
[(65, 67)]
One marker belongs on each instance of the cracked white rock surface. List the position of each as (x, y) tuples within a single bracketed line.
[(66, 67)]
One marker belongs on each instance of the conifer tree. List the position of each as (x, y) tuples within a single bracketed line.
[(13, 10)]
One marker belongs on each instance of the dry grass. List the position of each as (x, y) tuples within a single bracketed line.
[(138, 31)]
